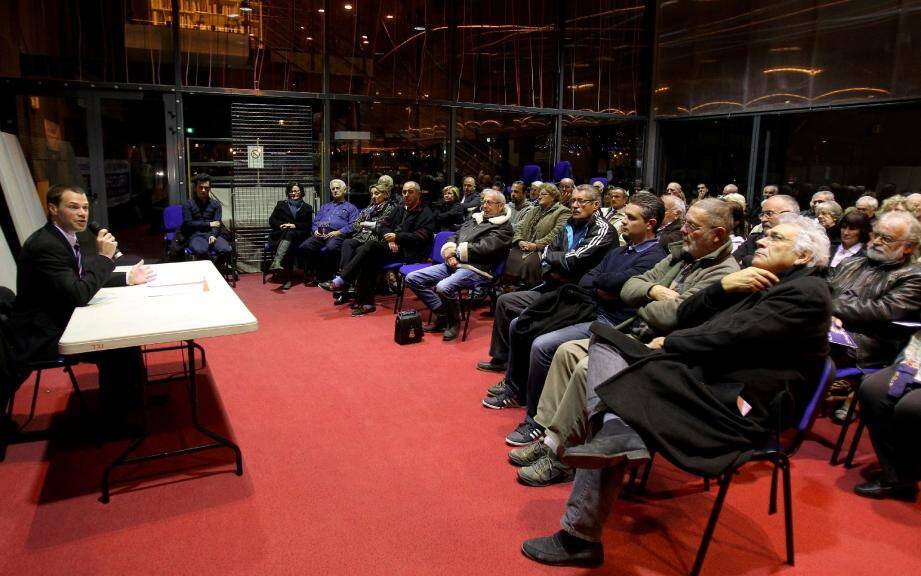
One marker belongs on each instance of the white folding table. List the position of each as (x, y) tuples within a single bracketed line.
[(187, 300)]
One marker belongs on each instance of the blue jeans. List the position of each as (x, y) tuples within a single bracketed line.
[(437, 283), (198, 244)]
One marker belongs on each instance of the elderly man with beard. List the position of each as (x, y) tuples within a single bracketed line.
[(872, 292), (703, 395)]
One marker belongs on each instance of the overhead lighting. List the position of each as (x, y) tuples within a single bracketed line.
[(347, 6), (365, 42), (809, 71), (389, 16), (233, 15), (419, 28), (320, 10), (364, 36), (302, 27), (244, 6), (309, 38)]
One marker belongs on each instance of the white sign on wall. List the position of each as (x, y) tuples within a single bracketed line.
[(254, 156)]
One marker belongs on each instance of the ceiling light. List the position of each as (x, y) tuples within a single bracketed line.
[(364, 36), (234, 15), (389, 16), (419, 28), (365, 42), (347, 6), (244, 6), (302, 27), (309, 38), (320, 10)]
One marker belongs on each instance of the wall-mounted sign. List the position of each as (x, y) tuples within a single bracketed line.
[(254, 157)]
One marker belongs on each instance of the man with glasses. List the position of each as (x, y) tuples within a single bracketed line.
[(771, 211), (872, 292), (470, 256)]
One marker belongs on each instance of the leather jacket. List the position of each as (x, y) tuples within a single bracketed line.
[(868, 297)]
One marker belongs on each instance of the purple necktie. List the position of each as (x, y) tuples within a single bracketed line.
[(79, 258)]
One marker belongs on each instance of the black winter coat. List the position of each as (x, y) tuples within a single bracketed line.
[(282, 215), (415, 230), (760, 347)]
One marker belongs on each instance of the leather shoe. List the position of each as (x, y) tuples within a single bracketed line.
[(563, 549), (342, 299), (879, 490), (437, 325), (286, 285), (613, 444), (491, 366), (362, 310)]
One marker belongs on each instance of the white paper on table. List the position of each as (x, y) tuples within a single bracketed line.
[(175, 276), (175, 289)]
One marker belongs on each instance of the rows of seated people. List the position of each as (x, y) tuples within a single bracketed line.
[(633, 322)]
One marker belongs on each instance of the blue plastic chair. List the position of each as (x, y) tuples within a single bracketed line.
[(602, 179), (491, 288), (562, 170), (406, 269), (530, 173), (850, 417), (172, 220)]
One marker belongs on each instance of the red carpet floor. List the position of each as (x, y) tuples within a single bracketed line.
[(365, 457)]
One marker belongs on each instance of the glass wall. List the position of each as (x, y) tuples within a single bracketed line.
[(603, 55), (507, 53), (597, 147), (728, 56), (406, 141), (94, 40), (397, 49), (711, 151)]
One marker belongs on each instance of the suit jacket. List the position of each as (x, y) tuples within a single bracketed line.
[(49, 287)]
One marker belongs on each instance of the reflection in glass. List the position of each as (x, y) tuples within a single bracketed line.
[(596, 147)]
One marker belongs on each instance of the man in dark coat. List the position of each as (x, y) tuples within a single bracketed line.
[(773, 209), (471, 255), (704, 396), (201, 222), (408, 238), (56, 274), (290, 223)]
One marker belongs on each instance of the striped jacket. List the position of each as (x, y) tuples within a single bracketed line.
[(571, 262)]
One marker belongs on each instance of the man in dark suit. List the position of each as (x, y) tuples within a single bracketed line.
[(56, 274), (201, 223)]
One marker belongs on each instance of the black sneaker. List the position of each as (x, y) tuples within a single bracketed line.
[(525, 434), (501, 401), (496, 389), (563, 549)]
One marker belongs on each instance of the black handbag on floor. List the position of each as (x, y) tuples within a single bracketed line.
[(408, 328)]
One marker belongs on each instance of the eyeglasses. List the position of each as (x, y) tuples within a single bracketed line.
[(885, 239), (580, 201), (544, 194), (771, 213), (485, 202), (691, 227)]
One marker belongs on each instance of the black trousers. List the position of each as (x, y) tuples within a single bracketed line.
[(365, 265), (894, 425), (508, 307)]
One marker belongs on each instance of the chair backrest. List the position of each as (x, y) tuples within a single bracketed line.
[(440, 240), (530, 173), (601, 179), (562, 170), (172, 217)]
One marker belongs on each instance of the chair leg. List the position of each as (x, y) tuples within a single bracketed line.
[(38, 381), (842, 436), (788, 509), (399, 296), (855, 441), (646, 471), (466, 310), (631, 482), (772, 504), (711, 524), (707, 483)]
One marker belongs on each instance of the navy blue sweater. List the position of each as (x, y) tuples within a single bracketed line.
[(618, 266)]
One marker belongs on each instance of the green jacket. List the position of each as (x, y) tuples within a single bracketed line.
[(540, 226), (663, 314)]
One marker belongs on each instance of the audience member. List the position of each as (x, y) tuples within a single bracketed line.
[(913, 204), (771, 210), (613, 209), (290, 223), (828, 214), (469, 256), (201, 224), (894, 203), (855, 233), (674, 189), (408, 239), (710, 398), (867, 206), (566, 189), (533, 234), (330, 227), (520, 206), (890, 405), (823, 195), (449, 213), (670, 230), (470, 199)]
